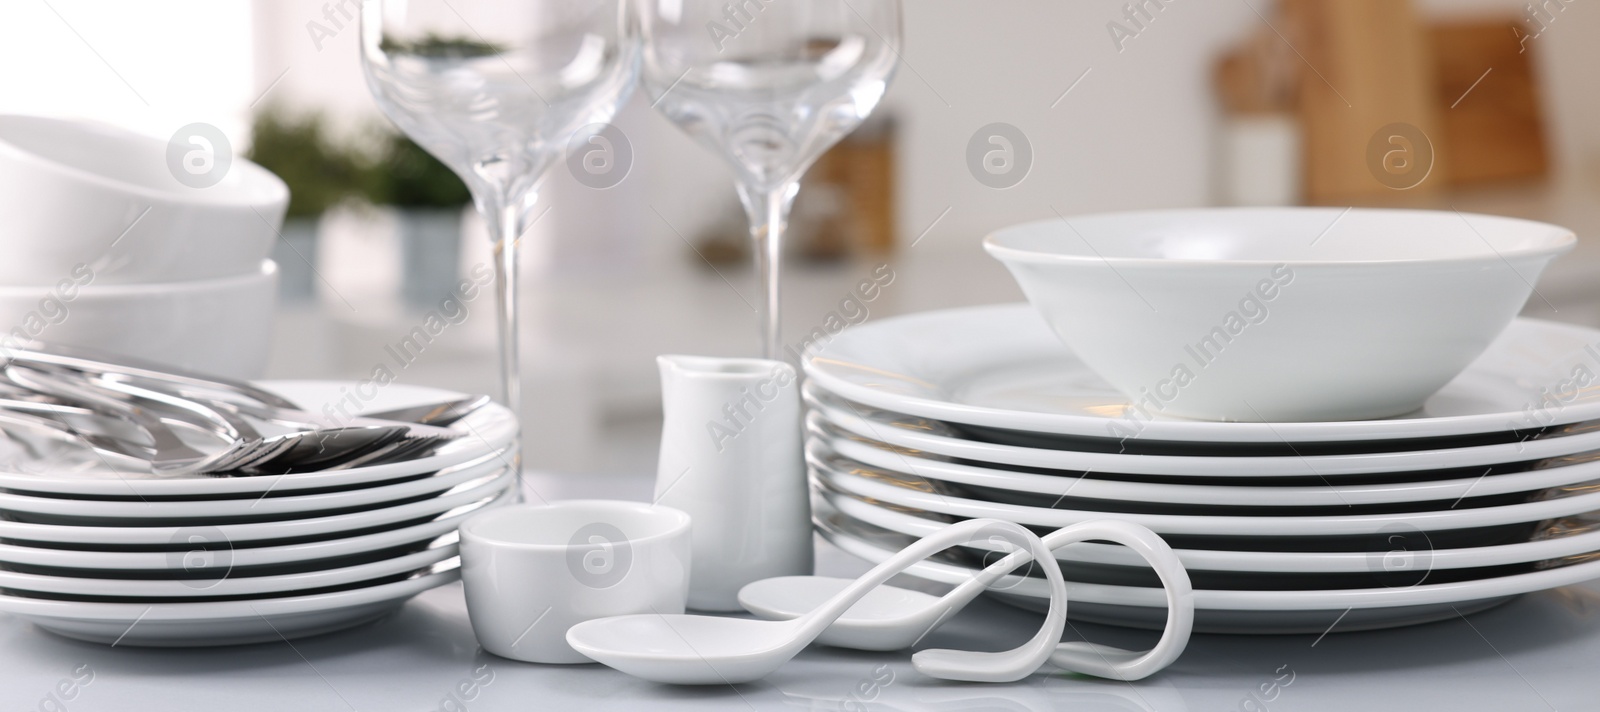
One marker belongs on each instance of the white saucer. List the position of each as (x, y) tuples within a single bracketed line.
[(490, 429), (824, 444), (221, 622), (259, 531), (1001, 367), (913, 493)]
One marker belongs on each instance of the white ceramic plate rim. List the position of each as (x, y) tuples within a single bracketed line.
[(823, 444), (884, 429), (488, 430), (228, 585), (253, 556), (224, 610), (1306, 562), (1262, 526), (858, 364), (259, 531), (1211, 599), (442, 481)]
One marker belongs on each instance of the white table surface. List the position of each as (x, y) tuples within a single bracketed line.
[(1539, 652)]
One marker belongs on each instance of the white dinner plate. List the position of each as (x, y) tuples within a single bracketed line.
[(176, 536), (1569, 539), (120, 512), (222, 622), (824, 443), (895, 430), (223, 583), (298, 555), (1001, 367), (1249, 612), (913, 493), (490, 429)]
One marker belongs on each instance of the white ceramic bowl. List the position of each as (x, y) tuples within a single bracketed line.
[(1278, 314), (557, 565), (69, 189), (221, 326)]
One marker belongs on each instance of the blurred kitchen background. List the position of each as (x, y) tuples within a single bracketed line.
[(1479, 105)]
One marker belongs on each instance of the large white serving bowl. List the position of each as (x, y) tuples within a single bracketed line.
[(77, 192), (1278, 314), (221, 326)]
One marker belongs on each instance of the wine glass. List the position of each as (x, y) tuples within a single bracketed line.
[(769, 85), (497, 89)]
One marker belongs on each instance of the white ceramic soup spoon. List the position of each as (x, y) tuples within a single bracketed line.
[(705, 650), (891, 618)]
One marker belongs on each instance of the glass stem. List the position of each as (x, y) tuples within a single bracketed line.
[(769, 211), (507, 234)]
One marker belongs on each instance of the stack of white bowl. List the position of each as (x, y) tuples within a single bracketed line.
[(129, 559), (105, 247), (1373, 438)]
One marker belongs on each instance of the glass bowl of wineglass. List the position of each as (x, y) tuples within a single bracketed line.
[(769, 85), (497, 90)]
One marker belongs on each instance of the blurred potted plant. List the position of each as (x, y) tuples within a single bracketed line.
[(319, 174), (429, 200)]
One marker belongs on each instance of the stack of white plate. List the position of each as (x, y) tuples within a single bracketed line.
[(1490, 491), (200, 560)]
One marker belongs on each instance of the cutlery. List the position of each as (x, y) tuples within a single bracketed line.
[(296, 418), (310, 450), (62, 421), (169, 453), (384, 438), (705, 650), (422, 437), (225, 423), (441, 414), (310, 447), (99, 363), (302, 450), (892, 618), (86, 425), (436, 415), (112, 449), (411, 447)]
